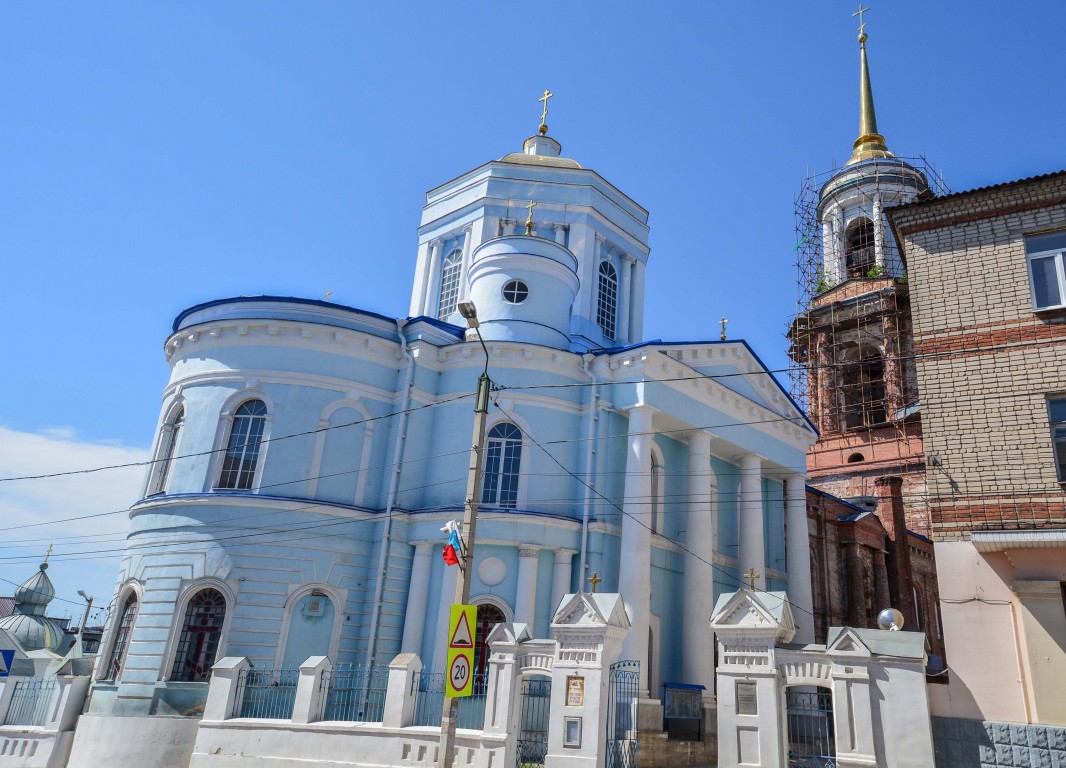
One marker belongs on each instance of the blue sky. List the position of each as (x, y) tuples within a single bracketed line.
[(159, 155)]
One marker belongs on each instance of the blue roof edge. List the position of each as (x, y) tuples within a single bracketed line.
[(286, 299)]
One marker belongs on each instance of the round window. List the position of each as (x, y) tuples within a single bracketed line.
[(515, 292)]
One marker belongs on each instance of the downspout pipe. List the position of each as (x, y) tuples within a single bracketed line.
[(394, 485), (590, 456)]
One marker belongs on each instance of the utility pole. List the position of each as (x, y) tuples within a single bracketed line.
[(450, 715)]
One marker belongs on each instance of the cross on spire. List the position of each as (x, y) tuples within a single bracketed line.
[(751, 576), (529, 219), (544, 115), (594, 580), (723, 321), (862, 24)]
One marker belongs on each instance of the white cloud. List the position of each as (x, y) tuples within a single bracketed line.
[(41, 502)]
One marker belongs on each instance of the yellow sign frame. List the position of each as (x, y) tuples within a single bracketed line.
[(459, 677)]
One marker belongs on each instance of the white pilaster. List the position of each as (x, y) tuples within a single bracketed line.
[(525, 602), (625, 291), (560, 234), (414, 622), (432, 297), (829, 259), (564, 560), (879, 232), (634, 579), (444, 601), (697, 656), (599, 245), (752, 543), (468, 252), (839, 251), (798, 557), (636, 304)]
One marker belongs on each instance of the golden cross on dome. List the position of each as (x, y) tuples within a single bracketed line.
[(723, 321), (751, 576), (529, 220), (594, 580), (862, 24), (48, 553), (328, 294), (544, 115)]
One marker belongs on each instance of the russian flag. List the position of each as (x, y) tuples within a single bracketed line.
[(454, 547)]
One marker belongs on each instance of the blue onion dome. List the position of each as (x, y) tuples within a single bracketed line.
[(28, 624)]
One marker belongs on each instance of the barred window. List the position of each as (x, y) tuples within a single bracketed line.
[(170, 439), (242, 449), (122, 639), (201, 632), (502, 461), (607, 299), (449, 284)]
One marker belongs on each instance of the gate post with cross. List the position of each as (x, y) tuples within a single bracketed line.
[(588, 630)]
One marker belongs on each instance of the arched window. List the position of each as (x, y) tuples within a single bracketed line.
[(607, 299), (123, 629), (201, 632), (863, 389), (859, 253), (656, 494), (169, 440), (242, 450), (488, 616), (502, 461), (449, 284)]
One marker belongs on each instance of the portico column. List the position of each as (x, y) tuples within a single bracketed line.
[(798, 557), (752, 543), (624, 297), (444, 601), (525, 602), (634, 579), (414, 622), (636, 303), (564, 559), (697, 659), (432, 297)]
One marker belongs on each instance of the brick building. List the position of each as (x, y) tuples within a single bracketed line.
[(988, 293)]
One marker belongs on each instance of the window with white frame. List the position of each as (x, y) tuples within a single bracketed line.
[(607, 299), (1047, 279), (169, 440), (1056, 407), (503, 459), (123, 630), (242, 449), (449, 284), (201, 634)]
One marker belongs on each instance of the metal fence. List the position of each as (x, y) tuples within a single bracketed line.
[(266, 693), (29, 702), (428, 690), (354, 694)]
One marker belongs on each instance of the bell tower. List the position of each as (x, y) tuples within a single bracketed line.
[(851, 340)]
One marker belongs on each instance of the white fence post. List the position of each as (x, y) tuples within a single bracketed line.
[(223, 687), (399, 701), (307, 706)]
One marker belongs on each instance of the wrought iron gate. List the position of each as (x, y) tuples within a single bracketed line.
[(533, 738), (810, 728), (622, 697)]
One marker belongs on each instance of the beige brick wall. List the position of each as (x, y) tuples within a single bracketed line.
[(986, 361)]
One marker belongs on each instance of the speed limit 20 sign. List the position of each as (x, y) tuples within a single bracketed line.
[(461, 651)]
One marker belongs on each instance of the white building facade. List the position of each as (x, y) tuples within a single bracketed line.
[(308, 453)]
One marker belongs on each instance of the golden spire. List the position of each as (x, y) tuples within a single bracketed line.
[(544, 115), (870, 143)]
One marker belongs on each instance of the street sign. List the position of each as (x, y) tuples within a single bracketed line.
[(461, 651), (6, 657)]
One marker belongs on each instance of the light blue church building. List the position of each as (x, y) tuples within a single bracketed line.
[(309, 453)]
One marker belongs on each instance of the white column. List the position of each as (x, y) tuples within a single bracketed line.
[(752, 543), (839, 249), (525, 601), (414, 623), (509, 226), (468, 254), (625, 291), (636, 304), (879, 232), (432, 297), (829, 258), (600, 243), (697, 658), (564, 560), (634, 578), (798, 557), (446, 598), (560, 234)]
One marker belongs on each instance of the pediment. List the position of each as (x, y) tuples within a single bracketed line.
[(509, 633), (585, 609), (847, 642), (746, 609)]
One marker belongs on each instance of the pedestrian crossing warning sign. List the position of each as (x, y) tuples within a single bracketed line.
[(460, 678), (461, 636)]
